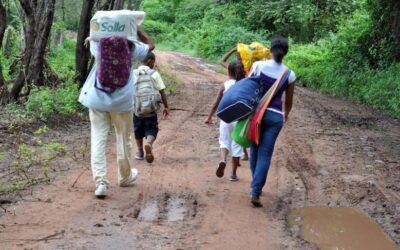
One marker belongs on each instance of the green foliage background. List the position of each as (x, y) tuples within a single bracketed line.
[(336, 46), (342, 47)]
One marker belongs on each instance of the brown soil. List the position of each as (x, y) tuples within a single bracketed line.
[(331, 153)]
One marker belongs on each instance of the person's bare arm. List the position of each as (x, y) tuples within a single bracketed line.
[(215, 105), (226, 57), (145, 39), (165, 102), (289, 100)]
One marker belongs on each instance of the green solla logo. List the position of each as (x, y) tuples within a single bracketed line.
[(109, 27)]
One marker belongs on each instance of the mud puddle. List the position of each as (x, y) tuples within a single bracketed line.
[(169, 208), (338, 229)]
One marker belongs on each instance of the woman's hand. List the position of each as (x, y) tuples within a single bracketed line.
[(286, 117), (208, 121)]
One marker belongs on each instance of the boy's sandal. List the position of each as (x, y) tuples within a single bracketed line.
[(220, 169), (233, 178), (149, 153), (139, 155)]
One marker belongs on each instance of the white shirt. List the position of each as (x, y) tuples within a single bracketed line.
[(121, 100), (272, 69), (228, 84)]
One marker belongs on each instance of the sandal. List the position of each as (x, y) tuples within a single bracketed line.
[(233, 178), (139, 155), (149, 153), (221, 169)]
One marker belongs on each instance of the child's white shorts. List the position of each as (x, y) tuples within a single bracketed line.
[(225, 139)]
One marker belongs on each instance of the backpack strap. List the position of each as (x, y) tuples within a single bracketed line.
[(147, 71)]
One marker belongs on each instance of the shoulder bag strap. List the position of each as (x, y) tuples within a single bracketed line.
[(254, 131)]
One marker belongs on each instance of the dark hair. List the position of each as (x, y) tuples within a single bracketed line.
[(279, 48), (150, 56), (236, 70)]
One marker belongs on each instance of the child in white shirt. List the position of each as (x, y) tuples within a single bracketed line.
[(228, 146)]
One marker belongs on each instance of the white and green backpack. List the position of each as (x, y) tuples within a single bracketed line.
[(147, 97)]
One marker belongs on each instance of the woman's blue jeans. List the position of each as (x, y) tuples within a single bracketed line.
[(260, 156)]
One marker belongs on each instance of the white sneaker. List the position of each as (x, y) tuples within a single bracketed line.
[(132, 179), (101, 190)]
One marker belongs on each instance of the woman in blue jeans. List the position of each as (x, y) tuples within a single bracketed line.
[(274, 118)]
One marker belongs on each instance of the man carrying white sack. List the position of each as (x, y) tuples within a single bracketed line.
[(108, 91)]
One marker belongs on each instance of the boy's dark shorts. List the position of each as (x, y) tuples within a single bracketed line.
[(145, 126)]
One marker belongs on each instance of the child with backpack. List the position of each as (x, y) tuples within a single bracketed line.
[(227, 145), (149, 92)]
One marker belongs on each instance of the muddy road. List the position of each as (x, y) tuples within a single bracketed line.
[(331, 153)]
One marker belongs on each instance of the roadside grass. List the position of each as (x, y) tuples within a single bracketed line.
[(171, 80)]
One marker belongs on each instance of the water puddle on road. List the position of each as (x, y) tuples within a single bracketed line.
[(339, 229), (176, 210), (149, 212)]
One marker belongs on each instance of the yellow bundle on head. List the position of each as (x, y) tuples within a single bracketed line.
[(252, 53)]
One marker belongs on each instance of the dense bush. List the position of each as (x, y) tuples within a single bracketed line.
[(44, 102), (339, 65), (336, 46), (205, 27), (62, 59)]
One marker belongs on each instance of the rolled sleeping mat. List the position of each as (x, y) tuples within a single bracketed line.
[(241, 99)]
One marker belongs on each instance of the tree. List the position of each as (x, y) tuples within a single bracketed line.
[(39, 16), (386, 18), (134, 4), (118, 4), (3, 26), (82, 55), (37, 19)]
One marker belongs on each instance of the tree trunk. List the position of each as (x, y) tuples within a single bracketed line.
[(63, 10), (58, 38), (106, 6), (7, 44), (386, 17), (3, 26), (39, 16), (83, 52), (4, 94), (136, 4), (394, 26), (119, 4)]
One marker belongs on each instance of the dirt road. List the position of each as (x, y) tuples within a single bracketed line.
[(331, 153)]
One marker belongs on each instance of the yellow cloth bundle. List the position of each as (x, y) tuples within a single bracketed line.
[(252, 53)]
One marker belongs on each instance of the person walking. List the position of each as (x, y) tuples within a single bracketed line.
[(112, 107), (274, 117), (146, 126), (227, 145)]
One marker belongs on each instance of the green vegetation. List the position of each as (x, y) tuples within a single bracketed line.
[(340, 47), (348, 48), (171, 80), (30, 164), (45, 101)]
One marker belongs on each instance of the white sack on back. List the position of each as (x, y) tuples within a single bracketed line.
[(115, 23)]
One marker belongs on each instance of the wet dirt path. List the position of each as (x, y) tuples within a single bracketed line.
[(331, 153)]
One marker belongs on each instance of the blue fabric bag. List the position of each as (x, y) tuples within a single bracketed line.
[(241, 99)]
